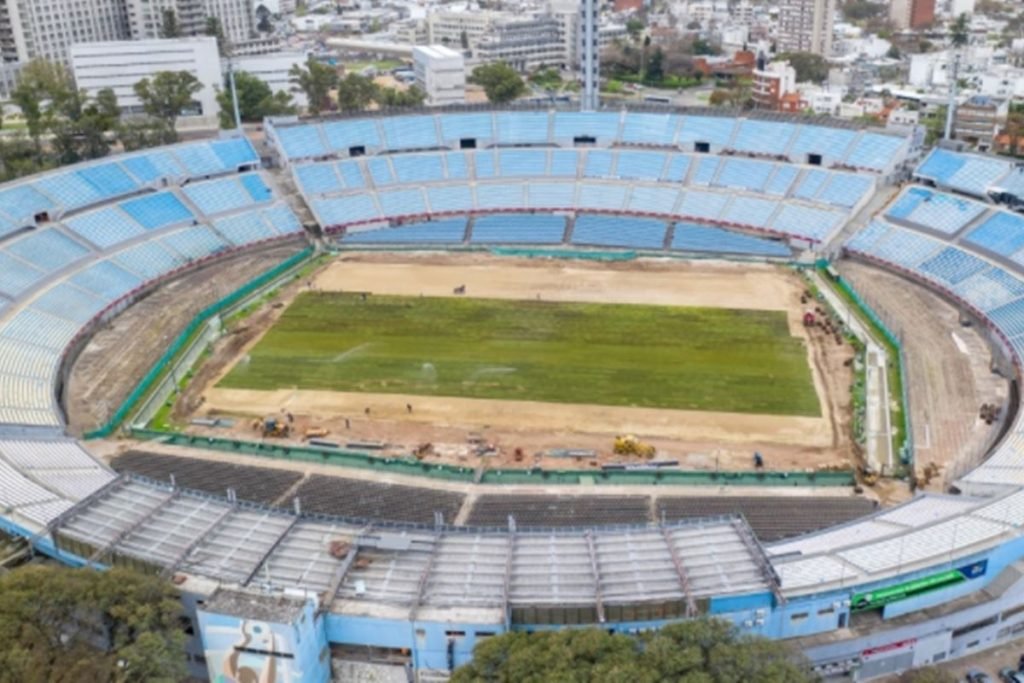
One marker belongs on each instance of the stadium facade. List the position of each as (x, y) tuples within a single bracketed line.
[(935, 578)]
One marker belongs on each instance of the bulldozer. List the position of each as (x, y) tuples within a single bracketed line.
[(315, 433), (272, 427), (628, 444)]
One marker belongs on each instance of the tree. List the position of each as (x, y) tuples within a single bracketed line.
[(50, 617), (808, 66), (392, 97), (960, 31), (169, 24), (356, 92), (166, 96), (464, 39), (500, 82), (255, 100), (655, 67), (263, 24), (858, 10), (894, 52), (698, 651), (215, 29), (634, 27), (43, 88), (316, 80)]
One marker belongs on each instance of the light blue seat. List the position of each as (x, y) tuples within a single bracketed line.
[(456, 166), (106, 280), (744, 173), (782, 180), (551, 195), (351, 174), (706, 239), (604, 126), (804, 221), (7, 226), (302, 141), (518, 229), (500, 196), (486, 164), (445, 231), (906, 248), (68, 190), (245, 228), (640, 165), (450, 198), (1009, 318), (866, 237), (522, 162), (154, 166), (749, 211), (564, 163), (1002, 233), (1012, 183), (343, 210), (714, 130), (198, 160), (908, 202), (282, 219), (458, 127), (603, 197), (990, 288), (109, 180), (944, 213), (47, 250), (704, 173), (650, 129), (703, 205), (951, 265), (678, 167), (105, 227), (318, 178), (149, 260), (418, 168), (810, 185), (619, 231), (342, 136), (218, 196), (409, 132), (158, 210), (16, 276), (380, 170), (656, 200), (829, 143), (257, 189), (234, 153), (196, 242), (978, 174), (70, 302), (845, 189), (598, 164), (875, 151), (520, 128), (22, 203), (406, 202), (38, 328), (763, 137)]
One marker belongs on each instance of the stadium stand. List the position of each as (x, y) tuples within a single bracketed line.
[(966, 173), (557, 511), (445, 231), (518, 229), (1001, 233), (698, 238), (157, 210), (936, 211), (614, 231), (358, 498)]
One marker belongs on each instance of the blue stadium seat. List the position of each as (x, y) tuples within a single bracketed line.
[(244, 228), (942, 212), (650, 129), (105, 227), (41, 329), (646, 199), (109, 180), (456, 166), (418, 168), (151, 167), (522, 162), (749, 211), (952, 265), (990, 288), (106, 280), (865, 238), (606, 197), (604, 126), (906, 248), (68, 190), (17, 276), (564, 163), (968, 173), (619, 231), (70, 302), (717, 131), (318, 178), (217, 196), (875, 151), (810, 185), (342, 136), (486, 164), (763, 137), (345, 210), (829, 143), (235, 153), (678, 167), (705, 205), (782, 180), (598, 164), (198, 160), (907, 202), (302, 141), (744, 173), (1002, 233), (7, 226), (521, 128), (282, 219), (446, 231), (518, 229), (1009, 318), (500, 196), (157, 210), (457, 127), (22, 203), (351, 174), (195, 242), (808, 222), (47, 250), (257, 189), (450, 198), (706, 170), (551, 195), (699, 238), (845, 189), (380, 170), (408, 202), (409, 132), (640, 165), (149, 260)]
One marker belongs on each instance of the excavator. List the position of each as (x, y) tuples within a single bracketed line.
[(272, 427), (627, 444)]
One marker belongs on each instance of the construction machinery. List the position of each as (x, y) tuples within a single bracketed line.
[(627, 444), (272, 427), (315, 433)]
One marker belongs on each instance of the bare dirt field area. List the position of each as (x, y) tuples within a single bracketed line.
[(698, 439), (948, 370), (124, 350)]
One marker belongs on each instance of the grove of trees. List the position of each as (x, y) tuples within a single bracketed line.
[(326, 90), (84, 626), (698, 651), (500, 82)]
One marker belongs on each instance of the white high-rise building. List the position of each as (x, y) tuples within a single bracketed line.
[(146, 17), (31, 29), (806, 26), (440, 74)]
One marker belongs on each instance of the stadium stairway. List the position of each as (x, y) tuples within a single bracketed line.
[(670, 234)]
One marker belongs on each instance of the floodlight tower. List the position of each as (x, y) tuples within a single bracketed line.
[(589, 55)]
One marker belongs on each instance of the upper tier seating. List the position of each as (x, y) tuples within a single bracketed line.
[(969, 173), (936, 211), (1001, 233), (157, 210), (228, 194)]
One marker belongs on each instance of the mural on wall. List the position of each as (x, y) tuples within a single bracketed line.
[(249, 651)]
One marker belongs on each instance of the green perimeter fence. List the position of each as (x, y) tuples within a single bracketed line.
[(162, 365), (410, 466)]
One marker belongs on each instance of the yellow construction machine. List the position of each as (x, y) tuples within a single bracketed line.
[(627, 444)]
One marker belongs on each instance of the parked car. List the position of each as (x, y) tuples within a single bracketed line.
[(1010, 675), (978, 676)]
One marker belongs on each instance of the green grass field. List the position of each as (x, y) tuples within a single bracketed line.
[(607, 354)]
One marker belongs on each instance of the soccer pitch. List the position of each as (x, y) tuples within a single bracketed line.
[(605, 354)]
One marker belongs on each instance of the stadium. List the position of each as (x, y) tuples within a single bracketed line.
[(375, 269)]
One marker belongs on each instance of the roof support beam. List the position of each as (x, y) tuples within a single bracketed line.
[(506, 583), (54, 526), (760, 558), (100, 552), (200, 537), (598, 600), (684, 577), (421, 586), (273, 546)]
